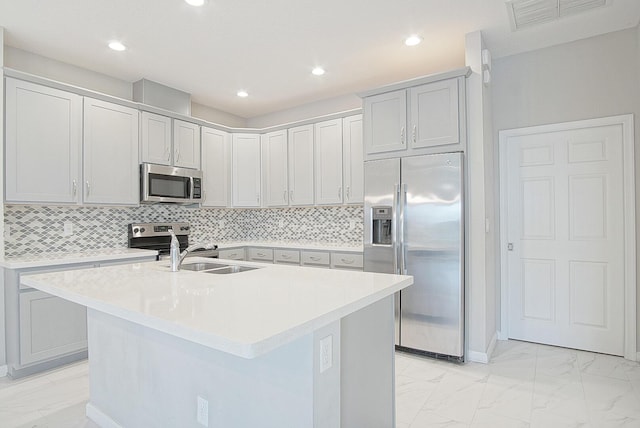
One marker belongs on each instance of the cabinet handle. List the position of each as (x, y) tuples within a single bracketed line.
[(88, 188), (286, 256), (261, 254), (284, 196), (177, 156), (340, 192), (413, 133), (315, 259), (348, 193), (347, 261), (258, 197), (75, 187), (291, 195), (402, 135), (204, 195), (168, 152)]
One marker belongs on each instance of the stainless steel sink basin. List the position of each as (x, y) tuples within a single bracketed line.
[(231, 269), (202, 266)]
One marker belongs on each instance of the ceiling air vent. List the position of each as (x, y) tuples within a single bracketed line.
[(528, 13)]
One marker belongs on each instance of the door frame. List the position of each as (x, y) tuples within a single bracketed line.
[(626, 121)]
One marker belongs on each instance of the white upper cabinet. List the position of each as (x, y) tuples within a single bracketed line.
[(274, 163), (385, 120), (186, 144), (245, 170), (328, 162), (110, 160), (301, 165), (216, 168), (434, 114), (171, 142), (156, 138), (352, 159), (423, 119), (43, 137)]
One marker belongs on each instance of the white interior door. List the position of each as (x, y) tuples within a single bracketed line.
[(565, 225)]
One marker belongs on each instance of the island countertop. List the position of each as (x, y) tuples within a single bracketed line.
[(245, 314)]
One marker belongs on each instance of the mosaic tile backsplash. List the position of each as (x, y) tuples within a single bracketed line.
[(36, 229)]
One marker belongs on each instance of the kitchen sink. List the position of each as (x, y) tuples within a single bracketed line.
[(203, 266), (231, 269)]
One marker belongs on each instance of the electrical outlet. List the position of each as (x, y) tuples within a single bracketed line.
[(67, 229), (203, 412), (326, 353)]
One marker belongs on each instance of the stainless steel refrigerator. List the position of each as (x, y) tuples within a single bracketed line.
[(414, 225)]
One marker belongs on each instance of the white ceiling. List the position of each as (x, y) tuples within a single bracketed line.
[(269, 47)]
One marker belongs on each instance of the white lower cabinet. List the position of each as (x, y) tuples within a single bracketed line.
[(260, 254), (290, 257), (50, 327), (353, 261), (315, 259), (232, 254)]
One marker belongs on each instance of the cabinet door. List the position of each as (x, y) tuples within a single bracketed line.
[(43, 136), (274, 164), (352, 159), (216, 159), (385, 119), (50, 327), (301, 167), (156, 138), (245, 170), (186, 144), (111, 167), (434, 114), (328, 162)]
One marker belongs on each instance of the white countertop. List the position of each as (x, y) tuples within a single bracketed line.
[(313, 246), (245, 314), (89, 256)]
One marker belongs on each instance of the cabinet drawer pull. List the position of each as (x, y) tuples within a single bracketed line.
[(286, 256), (347, 261), (315, 259)]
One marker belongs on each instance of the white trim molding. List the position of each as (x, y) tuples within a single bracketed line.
[(484, 357), (4, 370), (100, 418), (626, 121)]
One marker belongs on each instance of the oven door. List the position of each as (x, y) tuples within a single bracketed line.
[(159, 183)]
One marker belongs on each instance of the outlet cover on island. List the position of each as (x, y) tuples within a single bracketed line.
[(203, 412), (326, 353)]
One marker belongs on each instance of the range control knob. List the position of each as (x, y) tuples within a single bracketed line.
[(142, 230), (135, 230)]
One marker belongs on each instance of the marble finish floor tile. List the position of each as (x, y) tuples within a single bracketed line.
[(525, 385)]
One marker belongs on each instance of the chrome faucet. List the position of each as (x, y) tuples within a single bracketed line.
[(178, 257)]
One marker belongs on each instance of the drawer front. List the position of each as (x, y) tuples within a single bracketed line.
[(347, 260), (315, 258), (264, 254), (232, 254), (287, 256)]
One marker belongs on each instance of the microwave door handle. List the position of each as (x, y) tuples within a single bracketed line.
[(191, 188)]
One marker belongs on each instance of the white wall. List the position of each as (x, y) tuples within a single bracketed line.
[(306, 111), (220, 117), (481, 281), (585, 79)]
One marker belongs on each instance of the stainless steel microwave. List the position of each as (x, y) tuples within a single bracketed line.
[(159, 183)]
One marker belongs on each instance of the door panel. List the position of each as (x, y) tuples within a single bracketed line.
[(565, 220)]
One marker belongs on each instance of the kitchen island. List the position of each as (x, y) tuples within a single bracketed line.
[(277, 346)]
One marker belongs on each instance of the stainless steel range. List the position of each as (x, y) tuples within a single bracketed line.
[(156, 236)]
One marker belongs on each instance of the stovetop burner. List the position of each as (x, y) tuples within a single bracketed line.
[(156, 236)]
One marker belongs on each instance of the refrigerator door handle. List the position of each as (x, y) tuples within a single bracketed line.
[(403, 247), (394, 231)]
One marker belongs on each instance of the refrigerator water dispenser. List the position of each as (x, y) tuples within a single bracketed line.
[(382, 225)]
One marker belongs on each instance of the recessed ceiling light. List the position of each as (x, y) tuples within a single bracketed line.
[(413, 40), (196, 3), (243, 94), (318, 71), (117, 46)]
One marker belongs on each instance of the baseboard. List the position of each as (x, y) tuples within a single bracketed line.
[(100, 418), (483, 357), (502, 335), (4, 370)]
